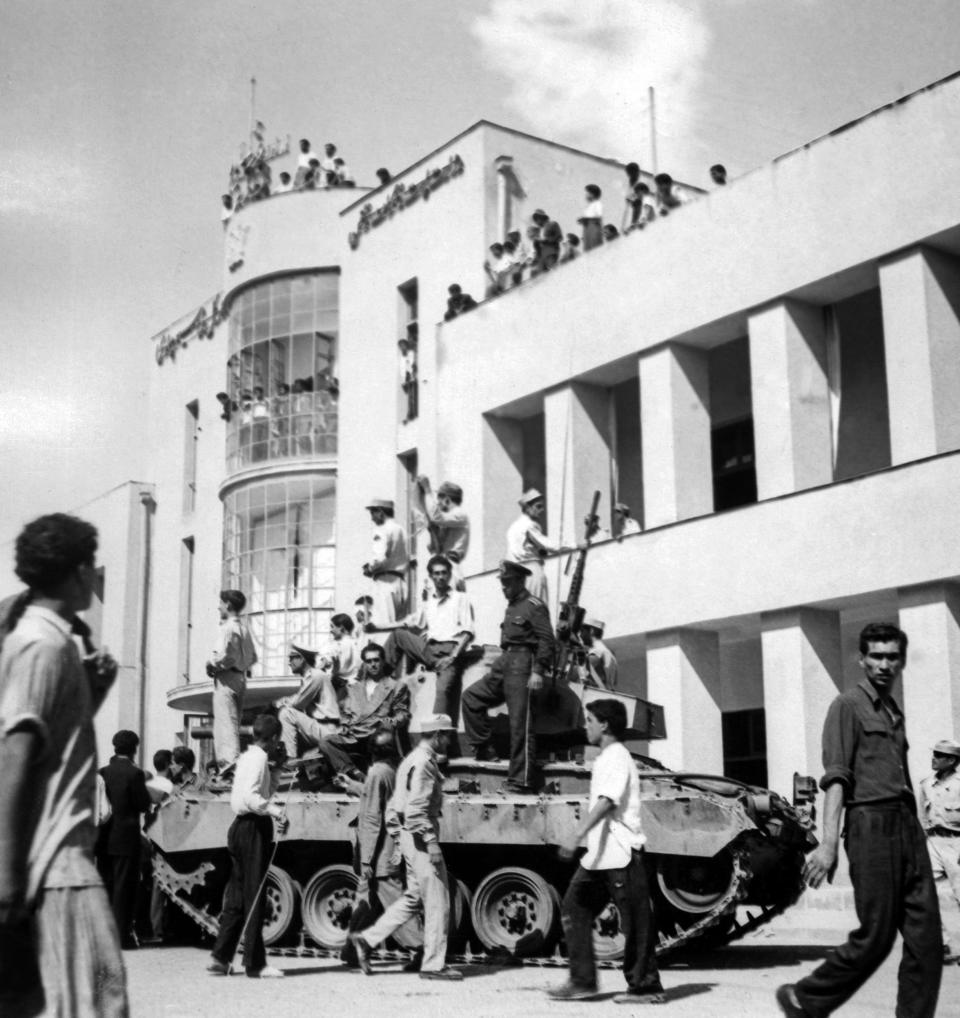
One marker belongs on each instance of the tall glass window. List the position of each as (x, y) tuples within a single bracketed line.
[(282, 371), (278, 548)]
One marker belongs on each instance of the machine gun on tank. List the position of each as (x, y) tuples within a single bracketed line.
[(570, 652)]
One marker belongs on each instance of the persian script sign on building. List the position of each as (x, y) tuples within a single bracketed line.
[(404, 195), (200, 325)]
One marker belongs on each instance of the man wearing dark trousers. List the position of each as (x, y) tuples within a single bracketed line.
[(129, 800), (249, 840), (515, 678), (612, 869), (865, 773)]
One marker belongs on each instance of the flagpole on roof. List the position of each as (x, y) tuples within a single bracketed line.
[(653, 132), (253, 102)]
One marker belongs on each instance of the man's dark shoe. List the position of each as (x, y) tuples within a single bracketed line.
[(446, 972), (413, 965), (218, 968), (789, 1005), (570, 991), (647, 997), (363, 953)]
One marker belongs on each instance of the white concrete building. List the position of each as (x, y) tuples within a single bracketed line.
[(769, 377)]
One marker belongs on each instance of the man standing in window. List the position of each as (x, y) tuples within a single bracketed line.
[(228, 666), (866, 774), (611, 870)]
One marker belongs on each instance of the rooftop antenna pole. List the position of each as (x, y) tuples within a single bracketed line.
[(653, 131), (253, 102)]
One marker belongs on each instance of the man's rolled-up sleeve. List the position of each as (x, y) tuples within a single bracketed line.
[(839, 744)]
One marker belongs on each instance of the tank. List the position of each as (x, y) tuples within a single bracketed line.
[(713, 844)]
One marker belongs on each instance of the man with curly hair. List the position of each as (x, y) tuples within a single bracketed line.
[(50, 890)]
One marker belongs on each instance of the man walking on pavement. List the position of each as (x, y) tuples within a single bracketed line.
[(940, 816), (612, 869), (866, 774), (515, 678), (415, 811), (249, 840)]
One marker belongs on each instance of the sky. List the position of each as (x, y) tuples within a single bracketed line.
[(120, 120)]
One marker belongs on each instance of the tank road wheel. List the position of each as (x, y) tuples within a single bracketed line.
[(280, 905), (515, 909), (695, 885), (327, 905), (459, 931)]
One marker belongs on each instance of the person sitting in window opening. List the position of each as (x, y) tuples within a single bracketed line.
[(624, 523), (718, 174), (227, 211), (408, 376), (457, 302), (610, 232), (328, 175), (384, 176), (304, 159), (667, 196), (284, 185), (571, 248), (592, 219), (344, 176)]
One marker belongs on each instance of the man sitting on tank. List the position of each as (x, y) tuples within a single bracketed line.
[(312, 712), (376, 702)]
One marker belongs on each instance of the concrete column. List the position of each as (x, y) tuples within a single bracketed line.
[(675, 434), (802, 673), (920, 292), (930, 616), (577, 438), (502, 477), (791, 399), (683, 675)]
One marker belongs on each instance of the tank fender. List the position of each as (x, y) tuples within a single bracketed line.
[(692, 825)]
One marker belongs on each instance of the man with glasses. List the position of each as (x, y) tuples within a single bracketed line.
[(376, 702), (436, 636)]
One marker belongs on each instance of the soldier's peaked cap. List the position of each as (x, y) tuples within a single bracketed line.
[(436, 723), (530, 495), (508, 568), (948, 747), (310, 656), (594, 623)]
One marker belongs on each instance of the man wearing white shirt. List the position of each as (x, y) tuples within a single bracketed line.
[(388, 563), (436, 635), (611, 869), (249, 840), (303, 162)]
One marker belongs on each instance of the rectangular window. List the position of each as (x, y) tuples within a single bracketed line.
[(407, 344), (191, 436), (187, 550), (734, 466), (745, 746)]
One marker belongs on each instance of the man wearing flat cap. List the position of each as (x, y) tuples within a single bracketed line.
[(228, 666), (600, 664), (515, 678), (447, 524), (388, 563), (413, 817), (313, 711), (529, 545), (940, 816), (625, 523)]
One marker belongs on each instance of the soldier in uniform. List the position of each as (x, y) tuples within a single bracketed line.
[(526, 638), (939, 808)]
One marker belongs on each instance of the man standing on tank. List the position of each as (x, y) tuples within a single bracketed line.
[(515, 678), (866, 774)]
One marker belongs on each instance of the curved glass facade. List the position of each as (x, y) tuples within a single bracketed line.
[(278, 548), (281, 372)]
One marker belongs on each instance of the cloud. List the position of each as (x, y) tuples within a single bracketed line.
[(48, 188), (579, 70)]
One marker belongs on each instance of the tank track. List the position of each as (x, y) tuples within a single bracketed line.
[(172, 883)]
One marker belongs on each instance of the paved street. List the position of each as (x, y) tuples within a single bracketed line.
[(736, 982)]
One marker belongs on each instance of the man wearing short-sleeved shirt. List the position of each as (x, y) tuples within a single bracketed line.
[(611, 870), (866, 775), (48, 697)]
